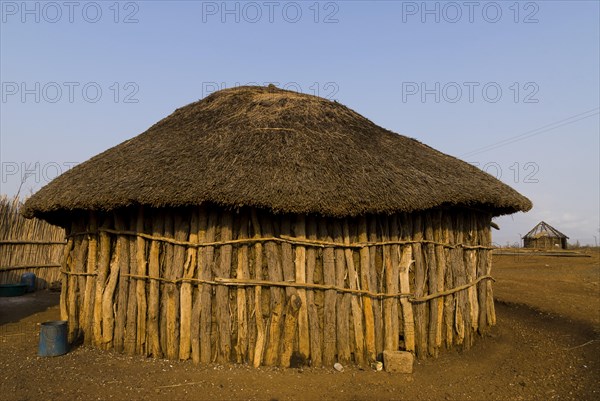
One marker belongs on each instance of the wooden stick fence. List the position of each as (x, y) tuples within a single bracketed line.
[(252, 287), (28, 245)]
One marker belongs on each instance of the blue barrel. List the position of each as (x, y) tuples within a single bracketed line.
[(53, 338), (29, 280)]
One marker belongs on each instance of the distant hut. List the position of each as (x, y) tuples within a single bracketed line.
[(544, 236), (265, 226)]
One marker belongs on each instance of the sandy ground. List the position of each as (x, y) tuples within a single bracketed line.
[(545, 347)]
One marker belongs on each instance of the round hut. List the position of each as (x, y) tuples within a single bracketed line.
[(265, 226), (544, 236)]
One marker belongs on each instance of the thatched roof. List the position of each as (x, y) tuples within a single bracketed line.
[(274, 149), (543, 229)]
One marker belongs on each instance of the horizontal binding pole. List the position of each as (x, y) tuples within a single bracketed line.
[(30, 242), (23, 267), (282, 239), (77, 273), (452, 291), (234, 282)]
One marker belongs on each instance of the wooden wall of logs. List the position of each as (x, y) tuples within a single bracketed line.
[(252, 287)]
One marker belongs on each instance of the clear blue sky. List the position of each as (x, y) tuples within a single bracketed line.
[(458, 76)]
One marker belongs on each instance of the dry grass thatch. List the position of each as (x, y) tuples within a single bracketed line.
[(278, 150), (28, 246)]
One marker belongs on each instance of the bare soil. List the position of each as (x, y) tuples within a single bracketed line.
[(545, 347)]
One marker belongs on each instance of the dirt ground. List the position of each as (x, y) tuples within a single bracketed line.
[(546, 346)]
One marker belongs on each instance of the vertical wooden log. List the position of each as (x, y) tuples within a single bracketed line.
[(75, 282), (185, 296), (406, 261), (287, 258), (449, 301), (175, 272), (140, 256), (354, 284), (420, 277), (342, 299), (206, 273), (471, 271), (154, 348), (491, 311), (250, 291), (462, 322), (122, 293), (197, 302), (242, 272), (316, 353), (166, 262), (300, 267), (482, 266), (408, 320), (394, 278), (440, 267), (287, 264), (329, 323), (277, 295), (66, 267), (289, 332), (108, 307), (365, 272), (376, 285), (260, 323), (103, 269), (81, 264), (432, 277), (388, 316), (222, 292), (88, 299), (131, 325)]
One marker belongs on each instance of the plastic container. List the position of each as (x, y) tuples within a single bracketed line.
[(53, 338), (29, 280), (12, 290)]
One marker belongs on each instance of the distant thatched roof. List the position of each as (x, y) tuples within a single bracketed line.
[(274, 149), (543, 229)]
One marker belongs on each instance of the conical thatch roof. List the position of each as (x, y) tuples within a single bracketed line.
[(274, 149), (543, 229)]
